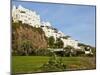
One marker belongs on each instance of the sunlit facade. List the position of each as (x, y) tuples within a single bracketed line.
[(25, 16)]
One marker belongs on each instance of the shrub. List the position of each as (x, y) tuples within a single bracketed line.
[(80, 53), (94, 51), (74, 53), (54, 64), (43, 52), (60, 53), (67, 53), (68, 50)]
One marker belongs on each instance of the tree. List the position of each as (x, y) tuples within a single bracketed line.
[(26, 47), (59, 43), (93, 50), (69, 50), (51, 41)]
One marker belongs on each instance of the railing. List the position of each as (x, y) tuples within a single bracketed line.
[(54, 50)]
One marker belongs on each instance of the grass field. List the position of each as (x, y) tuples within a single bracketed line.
[(31, 64)]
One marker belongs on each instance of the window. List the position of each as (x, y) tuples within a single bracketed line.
[(22, 11)]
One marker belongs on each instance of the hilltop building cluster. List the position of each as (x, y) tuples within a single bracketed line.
[(25, 16), (32, 18)]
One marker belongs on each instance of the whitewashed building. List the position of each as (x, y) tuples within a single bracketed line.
[(70, 42), (88, 51), (50, 31), (25, 16)]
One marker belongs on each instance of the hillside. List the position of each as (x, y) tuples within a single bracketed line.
[(26, 36)]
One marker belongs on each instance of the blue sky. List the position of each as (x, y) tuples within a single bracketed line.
[(78, 21)]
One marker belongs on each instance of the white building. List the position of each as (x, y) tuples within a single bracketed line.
[(50, 31), (88, 51), (26, 16), (70, 42)]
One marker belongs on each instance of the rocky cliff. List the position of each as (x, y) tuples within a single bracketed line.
[(34, 37)]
